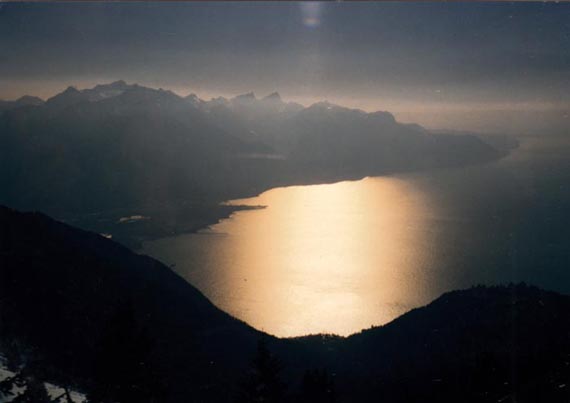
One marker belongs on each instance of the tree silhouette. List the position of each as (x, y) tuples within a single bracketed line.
[(263, 383), (35, 392), (26, 385), (317, 387), (65, 395), (123, 371)]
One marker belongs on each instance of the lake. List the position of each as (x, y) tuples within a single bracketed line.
[(338, 258)]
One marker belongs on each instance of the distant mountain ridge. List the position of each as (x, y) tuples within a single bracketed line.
[(120, 145), (100, 92), (26, 100)]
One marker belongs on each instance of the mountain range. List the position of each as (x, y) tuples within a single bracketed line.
[(122, 145)]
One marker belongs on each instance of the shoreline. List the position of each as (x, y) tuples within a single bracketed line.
[(236, 208), (133, 226)]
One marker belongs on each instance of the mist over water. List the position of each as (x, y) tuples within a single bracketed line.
[(341, 257)]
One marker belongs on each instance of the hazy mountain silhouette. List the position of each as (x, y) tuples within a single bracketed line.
[(62, 290), (119, 145), (333, 141), (26, 100), (72, 96), (140, 146)]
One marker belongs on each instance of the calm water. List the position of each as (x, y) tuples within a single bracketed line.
[(342, 257)]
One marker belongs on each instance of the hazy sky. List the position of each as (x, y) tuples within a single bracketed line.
[(435, 63)]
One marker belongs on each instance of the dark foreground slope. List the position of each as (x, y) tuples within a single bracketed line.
[(62, 289), (479, 345)]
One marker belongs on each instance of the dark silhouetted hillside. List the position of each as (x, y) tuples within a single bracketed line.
[(60, 287), (63, 291), (484, 344)]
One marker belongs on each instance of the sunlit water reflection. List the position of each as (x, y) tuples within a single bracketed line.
[(342, 257)]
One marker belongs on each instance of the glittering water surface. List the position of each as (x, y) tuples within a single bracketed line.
[(341, 257)]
